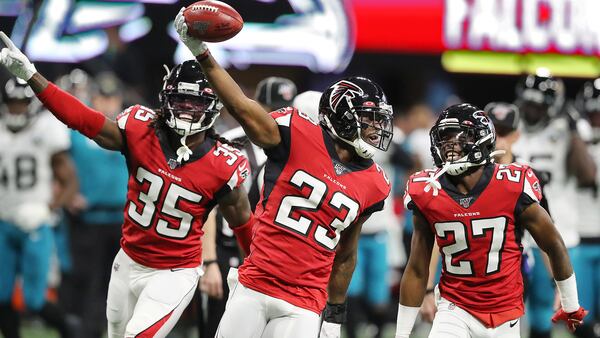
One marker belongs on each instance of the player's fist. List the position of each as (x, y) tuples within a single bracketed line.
[(14, 60), (196, 46), (573, 319)]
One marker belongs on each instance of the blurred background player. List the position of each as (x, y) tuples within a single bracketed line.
[(97, 211), (588, 205), (550, 142), (272, 93), (33, 152)]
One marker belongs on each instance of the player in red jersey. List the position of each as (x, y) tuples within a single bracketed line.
[(476, 211), (179, 170), (320, 186)]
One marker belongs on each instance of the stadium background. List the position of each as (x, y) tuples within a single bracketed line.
[(421, 51)]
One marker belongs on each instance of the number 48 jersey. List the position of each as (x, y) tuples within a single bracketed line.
[(167, 203), (309, 197), (478, 237)]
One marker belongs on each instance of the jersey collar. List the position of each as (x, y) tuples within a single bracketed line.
[(340, 167), (171, 155), (466, 200)]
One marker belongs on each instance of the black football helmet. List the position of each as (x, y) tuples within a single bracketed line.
[(587, 102), (187, 101), (463, 136), (18, 106), (540, 97), (355, 111)]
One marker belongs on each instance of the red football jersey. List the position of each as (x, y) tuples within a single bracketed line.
[(309, 197), (478, 237), (167, 203)]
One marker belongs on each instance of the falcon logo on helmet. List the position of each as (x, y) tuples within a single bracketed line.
[(355, 111), (343, 90)]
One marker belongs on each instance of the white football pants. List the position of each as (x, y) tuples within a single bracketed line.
[(144, 302), (251, 314), (453, 322)]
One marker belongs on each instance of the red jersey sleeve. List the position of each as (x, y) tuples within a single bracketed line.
[(235, 164), (415, 197), (283, 118), (531, 192)]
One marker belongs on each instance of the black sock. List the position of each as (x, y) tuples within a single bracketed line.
[(539, 334), (9, 321), (55, 318)]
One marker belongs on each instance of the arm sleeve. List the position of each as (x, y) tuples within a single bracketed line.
[(71, 111)]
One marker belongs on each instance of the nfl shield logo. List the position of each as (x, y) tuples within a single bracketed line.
[(173, 163), (339, 168), (466, 202)]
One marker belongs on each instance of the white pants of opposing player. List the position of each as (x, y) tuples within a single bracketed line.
[(251, 314), (144, 302), (453, 322)]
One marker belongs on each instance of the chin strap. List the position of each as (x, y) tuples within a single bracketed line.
[(183, 152), (433, 183)]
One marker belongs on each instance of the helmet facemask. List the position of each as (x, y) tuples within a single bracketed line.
[(375, 126), (459, 146), (190, 113), (355, 111)]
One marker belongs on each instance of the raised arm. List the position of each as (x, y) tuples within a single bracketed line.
[(65, 107), (416, 274), (540, 226), (258, 125)]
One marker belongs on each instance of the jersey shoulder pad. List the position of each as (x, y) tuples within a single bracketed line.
[(531, 185), (232, 165), (520, 178), (383, 182), (415, 188), (137, 114), (283, 116)]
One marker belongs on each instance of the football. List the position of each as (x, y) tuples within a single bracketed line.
[(212, 21)]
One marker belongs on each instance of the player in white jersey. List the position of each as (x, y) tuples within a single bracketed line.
[(550, 142), (587, 266), (33, 153)]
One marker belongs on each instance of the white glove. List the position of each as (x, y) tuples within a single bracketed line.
[(14, 60), (30, 216), (196, 46), (330, 330)]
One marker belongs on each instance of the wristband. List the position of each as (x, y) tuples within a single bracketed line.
[(428, 291), (407, 315), (243, 234), (568, 294), (335, 313)]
